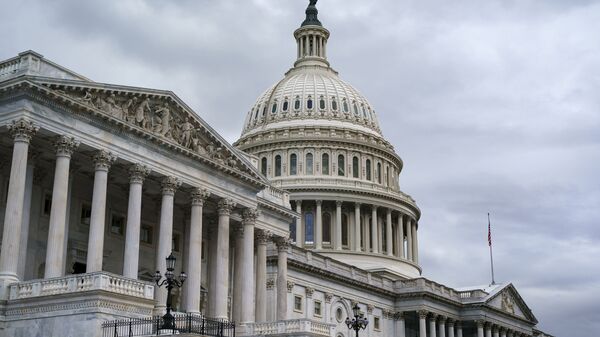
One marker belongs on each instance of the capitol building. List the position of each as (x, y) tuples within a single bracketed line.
[(282, 233)]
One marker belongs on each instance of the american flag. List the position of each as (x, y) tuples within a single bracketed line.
[(489, 231)]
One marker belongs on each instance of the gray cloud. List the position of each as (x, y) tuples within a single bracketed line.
[(492, 105)]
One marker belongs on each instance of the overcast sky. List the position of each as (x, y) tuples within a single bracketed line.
[(493, 106)]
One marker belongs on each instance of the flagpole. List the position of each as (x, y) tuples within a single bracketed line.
[(490, 244)]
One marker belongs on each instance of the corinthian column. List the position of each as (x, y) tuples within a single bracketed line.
[(21, 130), (388, 233), (262, 238), (165, 236), (400, 325), (423, 323), (64, 146), (374, 236), (283, 246), (357, 228), (432, 325), (401, 236), (442, 327), (222, 259), (238, 277), (137, 174), (338, 225), (409, 236), (319, 226), (102, 161), (479, 328), (194, 267), (248, 221)]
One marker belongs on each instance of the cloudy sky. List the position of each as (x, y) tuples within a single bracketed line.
[(493, 105)]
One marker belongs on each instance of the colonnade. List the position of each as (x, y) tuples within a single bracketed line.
[(363, 234), (245, 287)]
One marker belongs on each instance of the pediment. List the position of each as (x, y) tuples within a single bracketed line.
[(508, 300), (156, 115)]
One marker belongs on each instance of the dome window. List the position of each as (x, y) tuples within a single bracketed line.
[(263, 166), (297, 103), (326, 230), (309, 163), (309, 103), (334, 106), (285, 105), (368, 166), (355, 167), (345, 104), (325, 164), (341, 166), (264, 112), (274, 108), (256, 114), (293, 164), (379, 173), (365, 112), (355, 107), (309, 228), (278, 166), (322, 103)]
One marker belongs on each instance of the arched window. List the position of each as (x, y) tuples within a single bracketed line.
[(355, 167), (293, 164), (309, 103), (345, 104), (368, 164), (264, 112), (297, 103), (256, 114), (364, 111), (387, 176), (344, 230), (326, 228), (308, 228), (278, 166), (334, 106), (263, 166), (325, 164), (322, 103), (355, 107), (274, 108), (309, 163), (285, 105), (341, 165), (379, 173)]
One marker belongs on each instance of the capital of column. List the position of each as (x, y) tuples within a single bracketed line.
[(238, 232), (225, 206), (290, 286), (283, 244), (450, 322), (442, 318), (357, 205), (319, 202), (423, 313), (263, 237), (495, 328), (458, 324), (65, 145), (198, 196), (370, 308), (137, 173), (169, 185), (338, 203), (480, 323), (298, 203), (103, 160), (399, 316), (434, 316), (309, 292), (22, 130), (249, 216)]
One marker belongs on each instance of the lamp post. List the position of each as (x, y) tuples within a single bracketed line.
[(358, 322), (169, 282)]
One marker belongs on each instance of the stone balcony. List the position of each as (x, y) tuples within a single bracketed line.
[(302, 327)]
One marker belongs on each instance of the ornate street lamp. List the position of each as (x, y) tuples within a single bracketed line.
[(358, 322), (169, 282)]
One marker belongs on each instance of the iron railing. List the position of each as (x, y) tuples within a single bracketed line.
[(184, 323)]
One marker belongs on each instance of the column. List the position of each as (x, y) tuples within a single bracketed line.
[(380, 230), (319, 226), (495, 331), (401, 236), (479, 328), (409, 246), (338, 225), (432, 325), (502, 332), (442, 327), (102, 161), (64, 146), (249, 221), (25, 220), (415, 242), (299, 231), (450, 327), (222, 259), (357, 242), (262, 238), (375, 247), (488, 330), (308, 305), (282, 252), (367, 231), (388, 233), (21, 130), (459, 329), (400, 326), (137, 174), (238, 277), (212, 265), (165, 236), (422, 323), (194, 267)]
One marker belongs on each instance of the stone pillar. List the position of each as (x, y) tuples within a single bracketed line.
[(479, 328), (64, 146), (415, 243), (400, 326), (194, 266), (137, 174), (401, 236), (249, 221), (222, 259), (262, 238), (495, 332), (165, 236), (299, 231), (488, 330), (375, 247), (238, 277), (502, 332), (308, 306), (432, 325), (102, 161), (282, 251), (338, 225), (450, 328), (388, 233), (357, 242), (459, 329), (319, 226), (423, 323), (380, 230), (409, 246), (442, 327), (25, 221), (21, 130), (212, 266)]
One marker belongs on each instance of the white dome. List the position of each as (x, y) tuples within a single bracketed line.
[(311, 94)]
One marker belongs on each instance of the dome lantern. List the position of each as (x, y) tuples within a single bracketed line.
[(311, 39)]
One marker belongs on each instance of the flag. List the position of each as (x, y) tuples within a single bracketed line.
[(489, 231)]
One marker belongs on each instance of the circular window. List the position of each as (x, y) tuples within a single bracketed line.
[(339, 314)]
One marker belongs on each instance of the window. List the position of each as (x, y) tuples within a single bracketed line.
[(318, 311), (345, 104), (325, 164), (368, 164), (309, 163), (298, 303), (355, 167), (309, 228), (264, 112), (387, 176), (364, 111), (146, 234), (274, 108), (326, 235), (278, 166), (379, 173), (376, 323), (341, 165), (297, 103), (334, 106), (339, 314), (355, 107), (309, 103), (285, 105), (86, 214), (322, 103), (117, 224), (256, 114), (344, 230), (263, 166), (293, 164)]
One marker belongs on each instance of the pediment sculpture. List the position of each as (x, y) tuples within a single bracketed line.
[(507, 304)]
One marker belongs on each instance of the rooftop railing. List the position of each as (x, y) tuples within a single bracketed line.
[(183, 323)]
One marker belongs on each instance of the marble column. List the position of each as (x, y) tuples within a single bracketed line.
[(459, 329), (415, 242), (25, 220), (102, 162), (262, 238), (380, 230), (338, 225), (22, 131), (423, 323), (238, 277), (222, 259), (165, 236), (388, 233), (502, 332), (367, 231), (450, 328), (357, 242), (283, 246), (400, 325), (57, 226), (299, 231), (488, 330), (495, 332), (194, 252), (319, 226), (249, 217), (374, 235), (308, 305), (432, 325), (137, 174), (409, 236), (479, 328), (401, 236), (442, 327), (212, 265)]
